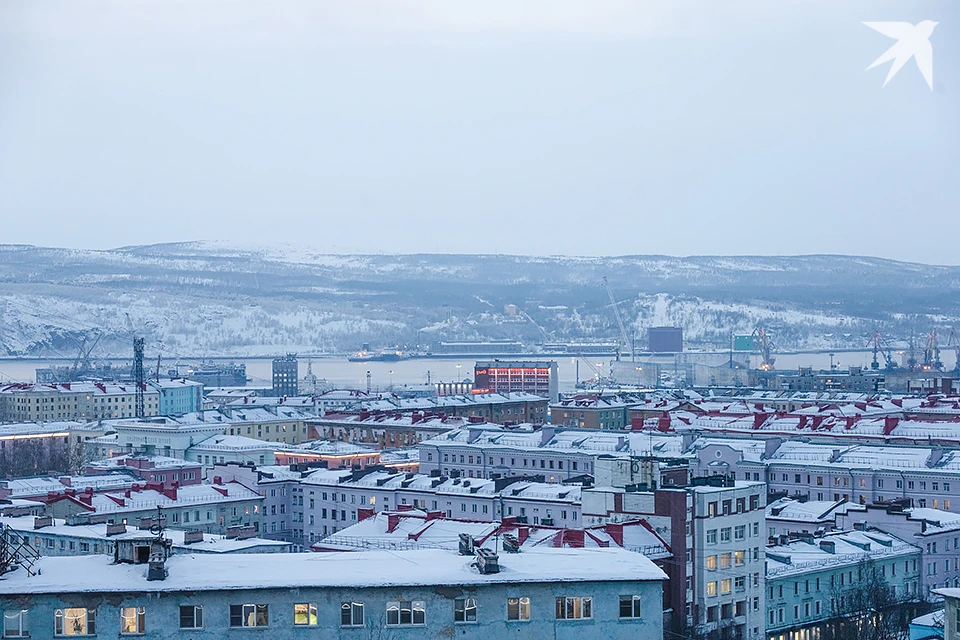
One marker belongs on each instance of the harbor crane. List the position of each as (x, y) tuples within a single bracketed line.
[(761, 340), (624, 340), (881, 350), (953, 341), (931, 355)]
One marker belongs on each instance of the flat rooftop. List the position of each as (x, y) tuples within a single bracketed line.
[(429, 567)]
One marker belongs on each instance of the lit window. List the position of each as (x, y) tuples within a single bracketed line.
[(75, 622), (133, 620), (711, 562), (574, 608), (465, 610), (725, 585), (249, 615), (351, 614), (712, 588), (305, 614), (191, 617), (406, 613), (630, 607), (518, 609), (15, 624)]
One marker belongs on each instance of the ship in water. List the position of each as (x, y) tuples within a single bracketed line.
[(213, 374), (85, 372), (383, 355)]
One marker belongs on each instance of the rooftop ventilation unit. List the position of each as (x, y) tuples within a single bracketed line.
[(487, 561), (511, 544), (466, 544)]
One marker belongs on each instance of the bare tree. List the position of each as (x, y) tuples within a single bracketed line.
[(867, 609)]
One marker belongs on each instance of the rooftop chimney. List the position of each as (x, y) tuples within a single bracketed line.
[(487, 561), (192, 535)]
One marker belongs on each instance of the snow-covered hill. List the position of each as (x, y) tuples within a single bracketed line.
[(204, 299)]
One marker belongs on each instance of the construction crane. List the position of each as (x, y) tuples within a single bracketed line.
[(624, 339), (931, 355), (881, 349), (761, 340)]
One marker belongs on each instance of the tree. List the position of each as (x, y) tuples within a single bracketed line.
[(868, 609)]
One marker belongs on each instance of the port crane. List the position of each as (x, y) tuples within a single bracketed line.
[(82, 361), (761, 340), (931, 355), (881, 348), (953, 341), (624, 340)]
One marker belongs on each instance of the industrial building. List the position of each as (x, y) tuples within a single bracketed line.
[(665, 339)]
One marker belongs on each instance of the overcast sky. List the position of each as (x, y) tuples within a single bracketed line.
[(593, 127)]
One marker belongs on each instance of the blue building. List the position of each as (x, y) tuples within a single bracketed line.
[(566, 594), (178, 396)]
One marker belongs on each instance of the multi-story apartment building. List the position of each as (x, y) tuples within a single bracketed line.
[(430, 594), (384, 430), (279, 486), (813, 579), (282, 424), (727, 568), (936, 533), (211, 508), (329, 500), (480, 451), (55, 537), (73, 401), (498, 408), (591, 412), (951, 613), (177, 396), (285, 375)]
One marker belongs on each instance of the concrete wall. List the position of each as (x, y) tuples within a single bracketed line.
[(162, 612)]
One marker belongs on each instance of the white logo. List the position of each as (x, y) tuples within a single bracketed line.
[(912, 42)]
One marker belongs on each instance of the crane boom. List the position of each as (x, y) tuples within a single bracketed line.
[(624, 340)]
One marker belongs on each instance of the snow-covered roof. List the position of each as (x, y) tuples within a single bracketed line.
[(809, 511), (40, 486), (429, 567), (849, 548), (223, 444), (211, 543), (37, 428)]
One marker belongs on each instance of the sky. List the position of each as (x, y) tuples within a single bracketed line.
[(547, 127)]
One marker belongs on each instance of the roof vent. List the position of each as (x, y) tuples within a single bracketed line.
[(466, 544), (42, 521), (192, 536), (511, 544), (488, 561)]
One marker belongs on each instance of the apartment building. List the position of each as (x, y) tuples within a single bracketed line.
[(544, 593), (811, 579), (935, 532), (280, 424), (591, 412), (383, 430), (727, 568), (498, 408), (951, 613), (211, 508), (24, 402), (330, 500)]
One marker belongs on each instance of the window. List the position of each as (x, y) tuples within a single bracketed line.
[(191, 617), (406, 612), (740, 532), (15, 624), (725, 534), (712, 588), (574, 608), (711, 562), (75, 622), (724, 559), (725, 585), (712, 536), (305, 614), (739, 557), (465, 610), (133, 620), (351, 614), (518, 609), (248, 615), (630, 607)]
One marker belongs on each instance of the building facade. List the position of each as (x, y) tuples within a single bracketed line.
[(286, 375), (562, 594)]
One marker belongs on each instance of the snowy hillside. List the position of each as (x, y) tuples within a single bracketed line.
[(204, 299)]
